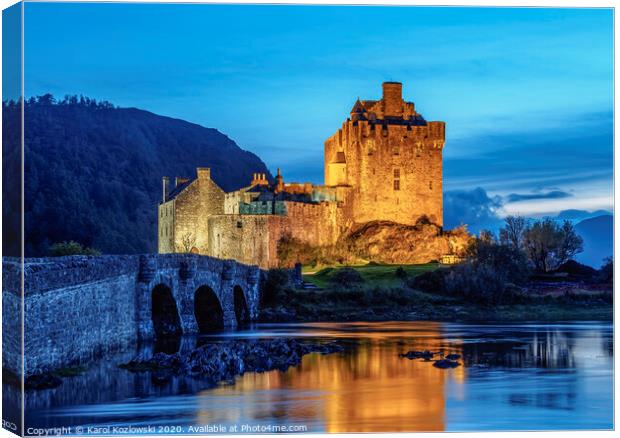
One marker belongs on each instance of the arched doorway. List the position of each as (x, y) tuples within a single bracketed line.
[(164, 312), (241, 306), (208, 310)]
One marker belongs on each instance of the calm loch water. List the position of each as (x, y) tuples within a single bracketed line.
[(514, 377)]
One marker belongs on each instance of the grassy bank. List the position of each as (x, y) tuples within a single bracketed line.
[(386, 294), (373, 274)]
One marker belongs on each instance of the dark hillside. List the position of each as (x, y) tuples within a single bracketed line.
[(93, 172), (598, 239)]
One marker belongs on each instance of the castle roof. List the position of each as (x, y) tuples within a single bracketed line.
[(258, 188), (284, 196), (178, 189), (358, 107)]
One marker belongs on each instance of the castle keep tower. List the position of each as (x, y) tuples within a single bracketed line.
[(387, 161)]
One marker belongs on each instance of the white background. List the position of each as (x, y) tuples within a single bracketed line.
[(7, 3)]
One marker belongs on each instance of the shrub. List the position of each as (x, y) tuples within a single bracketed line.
[(576, 269), (477, 282), (489, 276), (508, 261), (401, 273), (274, 287), (71, 248), (606, 273), (431, 281), (347, 278)]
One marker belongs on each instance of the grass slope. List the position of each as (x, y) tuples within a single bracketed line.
[(373, 274)]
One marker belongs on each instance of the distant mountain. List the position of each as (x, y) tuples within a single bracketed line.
[(93, 171), (574, 215), (598, 239)]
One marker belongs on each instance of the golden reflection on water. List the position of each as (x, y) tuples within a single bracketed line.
[(367, 389)]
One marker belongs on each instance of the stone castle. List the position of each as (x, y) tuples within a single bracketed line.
[(383, 164)]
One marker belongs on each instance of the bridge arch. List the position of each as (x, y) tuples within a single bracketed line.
[(242, 312), (164, 312), (208, 310)]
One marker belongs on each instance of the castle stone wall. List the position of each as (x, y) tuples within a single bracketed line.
[(316, 224), (165, 227), (247, 238)]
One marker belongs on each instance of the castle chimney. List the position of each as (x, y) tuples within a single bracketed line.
[(393, 99), (203, 173), (165, 188), (279, 182), (259, 179), (178, 181)]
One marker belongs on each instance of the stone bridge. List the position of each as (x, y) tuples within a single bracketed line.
[(78, 307)]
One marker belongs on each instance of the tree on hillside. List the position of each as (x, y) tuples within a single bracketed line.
[(71, 248), (549, 244), (511, 233), (571, 243)]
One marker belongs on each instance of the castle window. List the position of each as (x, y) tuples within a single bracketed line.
[(396, 150), (430, 185), (239, 224), (396, 179)]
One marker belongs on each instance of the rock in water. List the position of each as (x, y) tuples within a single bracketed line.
[(445, 363), (418, 354), (453, 356)]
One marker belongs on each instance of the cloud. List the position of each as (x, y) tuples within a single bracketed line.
[(554, 194), (524, 159), (475, 208)]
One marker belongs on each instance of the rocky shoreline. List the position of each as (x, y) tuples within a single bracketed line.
[(221, 362)]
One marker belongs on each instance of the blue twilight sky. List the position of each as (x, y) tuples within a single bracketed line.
[(527, 94)]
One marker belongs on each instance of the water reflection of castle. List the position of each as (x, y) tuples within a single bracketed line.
[(371, 390)]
